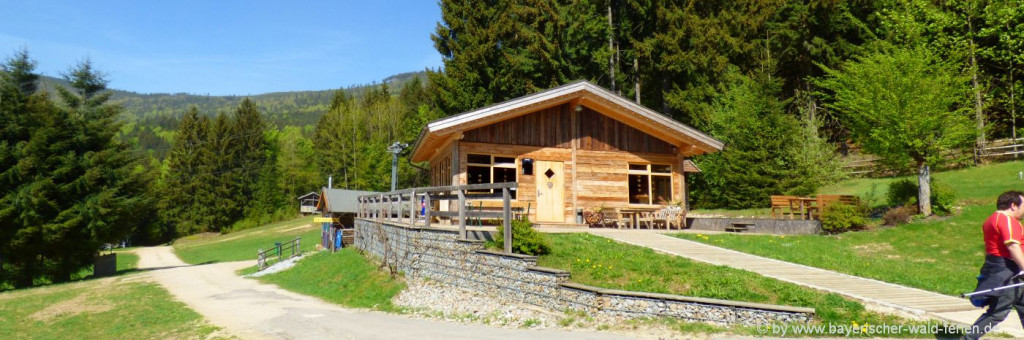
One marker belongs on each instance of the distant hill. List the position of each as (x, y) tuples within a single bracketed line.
[(299, 108)]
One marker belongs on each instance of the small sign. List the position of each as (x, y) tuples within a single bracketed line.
[(323, 220)]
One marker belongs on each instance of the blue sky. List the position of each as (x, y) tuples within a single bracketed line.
[(225, 47)]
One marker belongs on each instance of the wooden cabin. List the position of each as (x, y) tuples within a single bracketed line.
[(308, 202), (340, 206), (573, 147)]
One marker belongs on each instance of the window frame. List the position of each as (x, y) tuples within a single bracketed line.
[(493, 165), (649, 172)]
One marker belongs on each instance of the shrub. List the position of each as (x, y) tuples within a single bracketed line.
[(943, 198), (842, 217), (904, 193), (897, 216), (525, 239)]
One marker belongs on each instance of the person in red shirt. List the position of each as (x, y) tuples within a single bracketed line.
[(1003, 236)]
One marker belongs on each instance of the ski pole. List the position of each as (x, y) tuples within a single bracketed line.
[(964, 295)]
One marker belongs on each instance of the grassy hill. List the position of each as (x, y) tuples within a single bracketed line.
[(940, 254)]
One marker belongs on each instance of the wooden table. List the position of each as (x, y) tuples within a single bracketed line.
[(635, 214), (804, 204)]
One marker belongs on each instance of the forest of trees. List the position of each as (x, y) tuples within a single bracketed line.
[(785, 84)]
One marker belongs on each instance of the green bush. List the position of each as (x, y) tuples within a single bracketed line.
[(842, 217), (943, 198), (904, 193), (525, 239)]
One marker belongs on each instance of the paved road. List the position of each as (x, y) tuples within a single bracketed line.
[(250, 310), (910, 300)]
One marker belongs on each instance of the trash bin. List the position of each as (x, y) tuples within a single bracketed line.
[(579, 216), (105, 265)]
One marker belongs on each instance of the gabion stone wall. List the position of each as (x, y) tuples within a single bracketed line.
[(441, 256)]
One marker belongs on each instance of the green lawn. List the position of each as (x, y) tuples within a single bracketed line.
[(112, 308), (976, 184), (601, 262), (243, 245), (940, 255), (345, 277)]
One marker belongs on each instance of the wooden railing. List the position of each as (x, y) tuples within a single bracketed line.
[(1001, 149), (293, 246), (414, 207)]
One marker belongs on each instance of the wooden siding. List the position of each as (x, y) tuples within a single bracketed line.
[(527, 191), (550, 127), (602, 133), (602, 177)]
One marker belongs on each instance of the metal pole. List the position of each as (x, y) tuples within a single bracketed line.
[(394, 170), (395, 149)]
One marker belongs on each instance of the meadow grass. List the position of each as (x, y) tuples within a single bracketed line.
[(243, 245), (980, 184), (601, 262), (345, 278), (938, 254), (123, 307)]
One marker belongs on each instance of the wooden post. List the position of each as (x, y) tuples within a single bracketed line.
[(426, 215), (462, 214), (412, 208), (506, 219)]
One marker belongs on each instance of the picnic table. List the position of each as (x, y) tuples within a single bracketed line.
[(807, 207)]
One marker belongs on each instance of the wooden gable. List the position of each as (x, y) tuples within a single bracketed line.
[(607, 121)]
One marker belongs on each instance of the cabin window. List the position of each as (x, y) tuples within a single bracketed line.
[(650, 183), (483, 169)]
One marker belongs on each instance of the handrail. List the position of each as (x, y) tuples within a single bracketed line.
[(279, 248), (415, 206)]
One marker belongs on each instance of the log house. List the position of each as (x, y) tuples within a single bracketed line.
[(573, 147)]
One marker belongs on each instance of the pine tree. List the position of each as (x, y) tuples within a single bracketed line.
[(73, 186)]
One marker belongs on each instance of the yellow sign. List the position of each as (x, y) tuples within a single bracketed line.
[(323, 220)]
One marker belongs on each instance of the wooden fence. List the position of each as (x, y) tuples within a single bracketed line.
[(1000, 150), (415, 207)]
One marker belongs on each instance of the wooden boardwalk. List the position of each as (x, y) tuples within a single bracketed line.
[(905, 299)]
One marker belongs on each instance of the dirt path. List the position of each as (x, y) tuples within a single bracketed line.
[(251, 310)]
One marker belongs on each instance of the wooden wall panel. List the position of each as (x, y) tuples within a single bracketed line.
[(527, 191), (602, 133), (602, 176), (546, 128)]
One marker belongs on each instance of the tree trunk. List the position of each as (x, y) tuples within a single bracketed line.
[(611, 47), (979, 115), (924, 190), (636, 78)]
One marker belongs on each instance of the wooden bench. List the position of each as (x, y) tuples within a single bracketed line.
[(824, 201), (783, 204)]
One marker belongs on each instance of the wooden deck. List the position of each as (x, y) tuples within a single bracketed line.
[(913, 301)]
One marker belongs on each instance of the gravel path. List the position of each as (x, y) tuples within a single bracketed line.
[(251, 310)]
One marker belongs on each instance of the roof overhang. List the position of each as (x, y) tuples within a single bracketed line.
[(688, 140)]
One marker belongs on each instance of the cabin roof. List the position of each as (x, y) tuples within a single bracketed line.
[(311, 194), (688, 140), (341, 200)]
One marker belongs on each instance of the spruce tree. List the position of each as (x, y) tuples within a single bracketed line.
[(73, 186)]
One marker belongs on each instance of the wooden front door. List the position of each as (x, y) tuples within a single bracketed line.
[(550, 191)]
